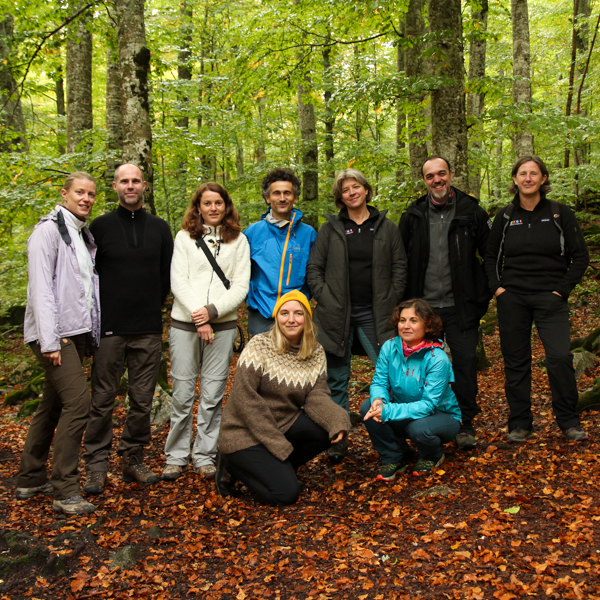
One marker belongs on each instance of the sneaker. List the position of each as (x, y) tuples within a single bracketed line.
[(465, 440), (423, 466), (575, 434), (134, 468), (336, 452), (224, 482), (519, 435), (388, 472), (207, 471), (25, 493), (95, 482), (172, 472), (75, 505)]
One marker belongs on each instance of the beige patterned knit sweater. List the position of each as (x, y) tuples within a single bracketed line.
[(268, 394)]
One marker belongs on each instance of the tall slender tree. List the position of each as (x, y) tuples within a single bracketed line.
[(61, 110), (523, 136), (11, 112), (114, 119), (79, 86), (476, 96), (135, 67), (448, 118)]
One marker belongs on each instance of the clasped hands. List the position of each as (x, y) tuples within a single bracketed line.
[(375, 410), (200, 318)]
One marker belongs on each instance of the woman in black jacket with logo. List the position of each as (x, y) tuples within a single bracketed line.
[(357, 274), (535, 256)]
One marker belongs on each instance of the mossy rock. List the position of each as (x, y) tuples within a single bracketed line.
[(17, 396), (590, 398), (28, 408)]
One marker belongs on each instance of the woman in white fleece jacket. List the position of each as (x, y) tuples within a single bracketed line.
[(203, 324)]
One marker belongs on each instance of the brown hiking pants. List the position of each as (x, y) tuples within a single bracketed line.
[(61, 414)]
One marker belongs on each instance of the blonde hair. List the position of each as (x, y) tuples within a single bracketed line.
[(308, 344), (76, 175)]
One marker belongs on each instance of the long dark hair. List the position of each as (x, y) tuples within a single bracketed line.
[(425, 312), (194, 224)]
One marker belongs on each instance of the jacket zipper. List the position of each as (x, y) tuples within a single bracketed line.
[(134, 235), (289, 271)]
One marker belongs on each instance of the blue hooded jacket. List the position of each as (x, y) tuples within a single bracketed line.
[(420, 383), (279, 256)]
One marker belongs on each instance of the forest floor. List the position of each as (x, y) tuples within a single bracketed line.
[(510, 521)]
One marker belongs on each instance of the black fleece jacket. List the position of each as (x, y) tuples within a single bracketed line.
[(467, 237), (531, 259), (133, 264)]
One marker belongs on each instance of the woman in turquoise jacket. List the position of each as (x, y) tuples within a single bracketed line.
[(411, 395)]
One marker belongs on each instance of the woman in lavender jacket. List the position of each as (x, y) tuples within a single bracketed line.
[(61, 324)]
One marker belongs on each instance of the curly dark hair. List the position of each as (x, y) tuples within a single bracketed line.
[(425, 312), (545, 188), (194, 224), (280, 175)]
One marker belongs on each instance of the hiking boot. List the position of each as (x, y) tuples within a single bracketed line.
[(30, 492), (224, 482), (75, 505), (172, 472), (388, 472), (575, 434), (95, 482), (134, 468), (424, 467), (206, 470), (519, 435), (465, 440), (336, 452)]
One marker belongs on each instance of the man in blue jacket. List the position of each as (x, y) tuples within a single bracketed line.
[(280, 245)]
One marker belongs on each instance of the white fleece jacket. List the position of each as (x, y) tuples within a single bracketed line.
[(195, 284)]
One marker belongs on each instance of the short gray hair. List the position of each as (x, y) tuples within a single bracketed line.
[(339, 182)]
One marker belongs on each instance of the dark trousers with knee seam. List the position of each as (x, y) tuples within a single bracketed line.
[(142, 353), (61, 414), (550, 313), (463, 347), (428, 434), (362, 325), (272, 480)]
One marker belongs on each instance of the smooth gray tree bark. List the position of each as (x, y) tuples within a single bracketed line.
[(135, 67), (79, 86), (416, 66), (448, 117), (475, 99), (523, 136), (11, 111), (310, 150), (114, 119)]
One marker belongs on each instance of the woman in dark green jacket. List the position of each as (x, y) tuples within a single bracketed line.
[(357, 274)]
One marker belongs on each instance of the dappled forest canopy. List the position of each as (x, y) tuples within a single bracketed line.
[(227, 89)]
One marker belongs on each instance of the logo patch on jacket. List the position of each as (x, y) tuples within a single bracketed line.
[(516, 222)]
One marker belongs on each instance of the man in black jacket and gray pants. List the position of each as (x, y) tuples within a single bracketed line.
[(133, 263), (443, 233)]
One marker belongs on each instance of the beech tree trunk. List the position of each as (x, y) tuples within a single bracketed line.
[(79, 86), (11, 112), (400, 114), (61, 112), (448, 118), (114, 121), (476, 98), (135, 67), (310, 151), (184, 70), (416, 66), (329, 116), (523, 137)]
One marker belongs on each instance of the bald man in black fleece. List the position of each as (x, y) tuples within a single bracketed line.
[(133, 263)]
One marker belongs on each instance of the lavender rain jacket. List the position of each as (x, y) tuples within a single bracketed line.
[(56, 302)]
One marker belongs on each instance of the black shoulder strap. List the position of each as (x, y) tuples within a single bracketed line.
[(211, 259), (62, 228), (555, 208)]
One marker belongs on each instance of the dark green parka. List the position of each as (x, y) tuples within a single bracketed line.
[(328, 278)]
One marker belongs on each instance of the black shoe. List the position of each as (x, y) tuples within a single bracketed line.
[(223, 481), (336, 452), (95, 483)]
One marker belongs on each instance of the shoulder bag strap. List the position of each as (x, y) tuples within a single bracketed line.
[(211, 259)]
